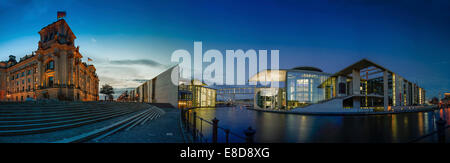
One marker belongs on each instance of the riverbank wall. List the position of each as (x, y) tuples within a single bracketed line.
[(352, 112)]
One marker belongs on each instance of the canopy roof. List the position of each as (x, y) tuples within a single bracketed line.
[(362, 64), (307, 68), (269, 76)]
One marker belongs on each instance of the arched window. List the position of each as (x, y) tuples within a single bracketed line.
[(50, 65)]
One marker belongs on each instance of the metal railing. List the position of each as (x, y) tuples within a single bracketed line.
[(198, 127), (440, 133), (441, 127)]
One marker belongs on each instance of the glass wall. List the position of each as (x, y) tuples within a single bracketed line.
[(308, 87), (270, 98), (196, 96), (185, 96), (204, 97)]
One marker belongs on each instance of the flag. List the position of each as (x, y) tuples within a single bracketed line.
[(61, 14), (89, 59)]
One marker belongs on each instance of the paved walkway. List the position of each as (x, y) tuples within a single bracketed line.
[(434, 138), (165, 129)]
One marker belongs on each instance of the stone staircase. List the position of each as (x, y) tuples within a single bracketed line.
[(36, 118)]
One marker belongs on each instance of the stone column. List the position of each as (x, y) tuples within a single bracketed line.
[(39, 73), (407, 94), (412, 93), (356, 84), (86, 84), (56, 66), (400, 91), (341, 79), (385, 90), (64, 67), (77, 75), (91, 90)]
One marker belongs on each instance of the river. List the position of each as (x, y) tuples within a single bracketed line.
[(294, 128)]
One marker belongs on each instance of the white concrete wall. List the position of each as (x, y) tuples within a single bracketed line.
[(149, 91), (165, 90), (332, 106)]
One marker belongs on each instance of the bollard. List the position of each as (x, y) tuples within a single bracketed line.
[(215, 126), (187, 120), (227, 133), (441, 130), (249, 133), (194, 127), (182, 115)]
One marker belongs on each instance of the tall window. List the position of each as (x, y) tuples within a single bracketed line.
[(50, 81), (50, 65)]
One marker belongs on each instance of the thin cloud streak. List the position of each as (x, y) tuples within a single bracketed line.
[(145, 62)]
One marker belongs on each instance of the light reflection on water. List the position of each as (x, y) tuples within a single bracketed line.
[(275, 127)]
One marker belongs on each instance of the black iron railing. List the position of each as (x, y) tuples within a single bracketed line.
[(441, 127), (440, 134), (198, 127)]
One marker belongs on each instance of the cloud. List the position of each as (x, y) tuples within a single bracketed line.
[(140, 80), (145, 62)]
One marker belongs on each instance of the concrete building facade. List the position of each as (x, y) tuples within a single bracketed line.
[(160, 89), (186, 94)]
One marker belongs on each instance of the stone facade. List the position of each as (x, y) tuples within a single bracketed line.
[(54, 71)]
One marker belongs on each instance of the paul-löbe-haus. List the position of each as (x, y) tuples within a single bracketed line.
[(187, 94), (55, 71)]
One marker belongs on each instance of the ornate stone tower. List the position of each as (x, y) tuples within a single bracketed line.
[(61, 73)]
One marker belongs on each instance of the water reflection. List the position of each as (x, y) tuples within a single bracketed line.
[(274, 127)]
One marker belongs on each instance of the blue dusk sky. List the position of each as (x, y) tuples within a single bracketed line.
[(132, 40)]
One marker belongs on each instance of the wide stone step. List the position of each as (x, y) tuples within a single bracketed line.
[(60, 127), (45, 112), (55, 123), (105, 131), (21, 114), (40, 116), (38, 120), (31, 118)]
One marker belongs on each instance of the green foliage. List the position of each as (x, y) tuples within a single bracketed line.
[(107, 90)]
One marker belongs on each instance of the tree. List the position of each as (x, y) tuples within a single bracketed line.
[(434, 100), (107, 90)]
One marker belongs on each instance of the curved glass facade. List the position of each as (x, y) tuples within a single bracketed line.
[(308, 87)]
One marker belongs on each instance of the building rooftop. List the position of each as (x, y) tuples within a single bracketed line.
[(364, 63), (307, 68)]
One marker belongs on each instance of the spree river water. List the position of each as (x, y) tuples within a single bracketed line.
[(288, 128)]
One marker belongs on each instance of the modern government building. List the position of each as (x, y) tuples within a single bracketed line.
[(54, 71), (362, 85), (188, 93)]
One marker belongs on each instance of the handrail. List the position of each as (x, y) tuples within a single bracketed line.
[(189, 119), (427, 135)]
